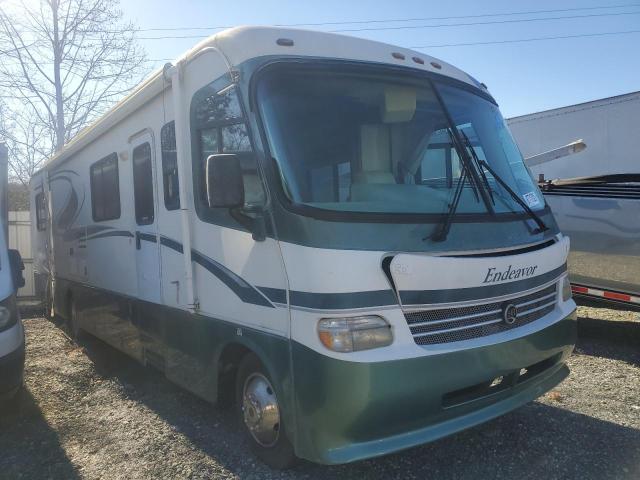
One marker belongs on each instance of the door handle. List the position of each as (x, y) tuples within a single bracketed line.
[(70, 250), (138, 243)]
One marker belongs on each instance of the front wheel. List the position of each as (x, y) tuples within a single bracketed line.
[(260, 415)]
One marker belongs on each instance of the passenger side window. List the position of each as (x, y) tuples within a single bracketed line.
[(218, 126), (170, 166), (41, 212), (440, 164), (143, 184), (330, 183), (105, 189)]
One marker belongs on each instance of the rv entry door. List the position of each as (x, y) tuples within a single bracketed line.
[(146, 224)]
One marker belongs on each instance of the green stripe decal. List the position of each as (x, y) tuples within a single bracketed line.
[(342, 301)]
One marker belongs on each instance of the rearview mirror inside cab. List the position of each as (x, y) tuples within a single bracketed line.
[(225, 188)]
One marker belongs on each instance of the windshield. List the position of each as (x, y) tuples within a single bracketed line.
[(380, 143)]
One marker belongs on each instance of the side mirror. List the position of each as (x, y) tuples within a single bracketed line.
[(225, 187), (17, 266)]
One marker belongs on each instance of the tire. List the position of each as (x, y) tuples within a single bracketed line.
[(270, 445), (73, 326)]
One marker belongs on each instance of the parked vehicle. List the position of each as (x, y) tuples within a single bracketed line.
[(11, 331), (338, 234), (594, 194), (600, 214)]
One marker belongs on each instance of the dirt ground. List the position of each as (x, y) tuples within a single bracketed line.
[(90, 412)]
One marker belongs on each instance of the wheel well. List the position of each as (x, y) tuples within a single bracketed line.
[(228, 363)]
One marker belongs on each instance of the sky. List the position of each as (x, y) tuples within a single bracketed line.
[(523, 77)]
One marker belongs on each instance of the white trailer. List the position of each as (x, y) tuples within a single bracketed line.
[(339, 234), (609, 128), (594, 193)]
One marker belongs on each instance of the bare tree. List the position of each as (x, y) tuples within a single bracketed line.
[(62, 64)]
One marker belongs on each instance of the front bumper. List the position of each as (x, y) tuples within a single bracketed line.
[(12, 371), (347, 411)]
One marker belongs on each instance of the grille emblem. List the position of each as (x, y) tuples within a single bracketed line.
[(509, 314)]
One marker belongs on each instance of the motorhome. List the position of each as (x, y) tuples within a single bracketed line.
[(336, 235)]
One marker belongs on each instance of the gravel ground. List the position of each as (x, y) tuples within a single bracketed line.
[(90, 412)]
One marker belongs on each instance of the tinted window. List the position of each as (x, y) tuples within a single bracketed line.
[(41, 212), (395, 133), (235, 138), (218, 127), (105, 189), (217, 106), (170, 166), (143, 184)]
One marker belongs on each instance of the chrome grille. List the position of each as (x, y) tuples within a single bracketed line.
[(446, 325)]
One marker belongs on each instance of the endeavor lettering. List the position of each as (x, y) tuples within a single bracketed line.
[(508, 274)]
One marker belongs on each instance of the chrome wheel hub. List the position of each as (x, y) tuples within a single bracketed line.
[(260, 410)]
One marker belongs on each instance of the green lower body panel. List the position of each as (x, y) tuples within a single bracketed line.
[(347, 411)]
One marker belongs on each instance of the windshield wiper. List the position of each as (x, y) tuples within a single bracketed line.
[(441, 233), (443, 229), (476, 159), (542, 227), (464, 166), (463, 154)]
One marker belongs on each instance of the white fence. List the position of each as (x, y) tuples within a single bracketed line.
[(20, 239)]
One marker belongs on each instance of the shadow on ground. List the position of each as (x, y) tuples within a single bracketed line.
[(28, 445), (619, 340), (535, 441)]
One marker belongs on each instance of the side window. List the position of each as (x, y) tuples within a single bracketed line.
[(440, 164), (143, 184), (41, 212), (170, 166), (218, 126), (105, 189), (330, 183)]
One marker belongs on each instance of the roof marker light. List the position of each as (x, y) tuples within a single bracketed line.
[(398, 55), (285, 42), (436, 65), (418, 60)]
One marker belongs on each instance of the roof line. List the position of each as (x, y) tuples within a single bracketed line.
[(581, 104)]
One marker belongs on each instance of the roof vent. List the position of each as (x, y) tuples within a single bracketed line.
[(436, 65), (398, 55), (418, 60), (285, 42)]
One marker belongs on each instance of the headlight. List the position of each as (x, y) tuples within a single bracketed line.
[(566, 289), (351, 334), (8, 313)]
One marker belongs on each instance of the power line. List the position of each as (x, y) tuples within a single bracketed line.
[(440, 25), (467, 44), (490, 22), (373, 21), (415, 19), (443, 45), (521, 40)]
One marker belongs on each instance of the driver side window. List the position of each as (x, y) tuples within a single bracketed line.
[(218, 126)]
